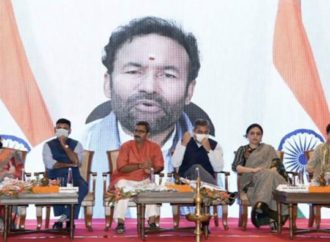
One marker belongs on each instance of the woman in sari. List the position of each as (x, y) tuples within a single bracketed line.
[(258, 178), (11, 165), (320, 160)]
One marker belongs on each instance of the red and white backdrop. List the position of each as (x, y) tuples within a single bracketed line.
[(264, 61)]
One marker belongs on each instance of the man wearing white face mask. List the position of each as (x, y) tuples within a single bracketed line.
[(198, 151), (60, 154)]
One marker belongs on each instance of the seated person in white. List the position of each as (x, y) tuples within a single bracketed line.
[(199, 151)]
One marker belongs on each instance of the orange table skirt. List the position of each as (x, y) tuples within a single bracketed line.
[(319, 189), (45, 189), (179, 188)]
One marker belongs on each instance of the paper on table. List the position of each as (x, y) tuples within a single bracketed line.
[(69, 189)]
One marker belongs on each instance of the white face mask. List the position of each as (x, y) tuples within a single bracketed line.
[(62, 132), (200, 137)]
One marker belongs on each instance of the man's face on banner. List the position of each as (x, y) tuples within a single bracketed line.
[(149, 82)]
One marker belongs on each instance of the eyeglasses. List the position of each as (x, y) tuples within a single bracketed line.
[(139, 131)]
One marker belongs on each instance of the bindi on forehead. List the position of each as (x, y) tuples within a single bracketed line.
[(153, 47)]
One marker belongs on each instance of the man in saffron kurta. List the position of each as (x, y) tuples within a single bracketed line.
[(135, 160)]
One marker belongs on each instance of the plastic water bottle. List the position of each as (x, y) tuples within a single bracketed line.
[(300, 178), (197, 172), (327, 178), (152, 175), (23, 175), (69, 181)]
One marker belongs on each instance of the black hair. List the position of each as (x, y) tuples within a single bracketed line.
[(201, 122), (328, 129), (255, 125), (152, 25), (1, 142), (64, 121), (145, 124)]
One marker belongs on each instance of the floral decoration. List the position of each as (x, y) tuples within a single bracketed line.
[(12, 187), (114, 196), (215, 195)]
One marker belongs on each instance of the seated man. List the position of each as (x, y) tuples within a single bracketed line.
[(136, 158), (198, 151), (320, 160), (59, 155)]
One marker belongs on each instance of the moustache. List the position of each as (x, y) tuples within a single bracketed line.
[(137, 137), (133, 100)]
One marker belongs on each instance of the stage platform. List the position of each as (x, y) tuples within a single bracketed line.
[(234, 234)]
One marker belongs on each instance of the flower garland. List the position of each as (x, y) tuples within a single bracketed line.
[(12, 187), (114, 196), (212, 195), (215, 195)]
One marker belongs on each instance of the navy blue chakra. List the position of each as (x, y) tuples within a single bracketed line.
[(294, 145)]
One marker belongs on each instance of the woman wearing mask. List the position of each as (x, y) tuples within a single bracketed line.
[(258, 178)]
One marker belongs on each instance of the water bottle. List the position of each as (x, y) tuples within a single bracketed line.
[(152, 175), (300, 178), (23, 175), (69, 180), (327, 177), (197, 173)]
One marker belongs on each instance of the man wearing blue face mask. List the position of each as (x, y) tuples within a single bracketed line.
[(60, 154), (199, 151)]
